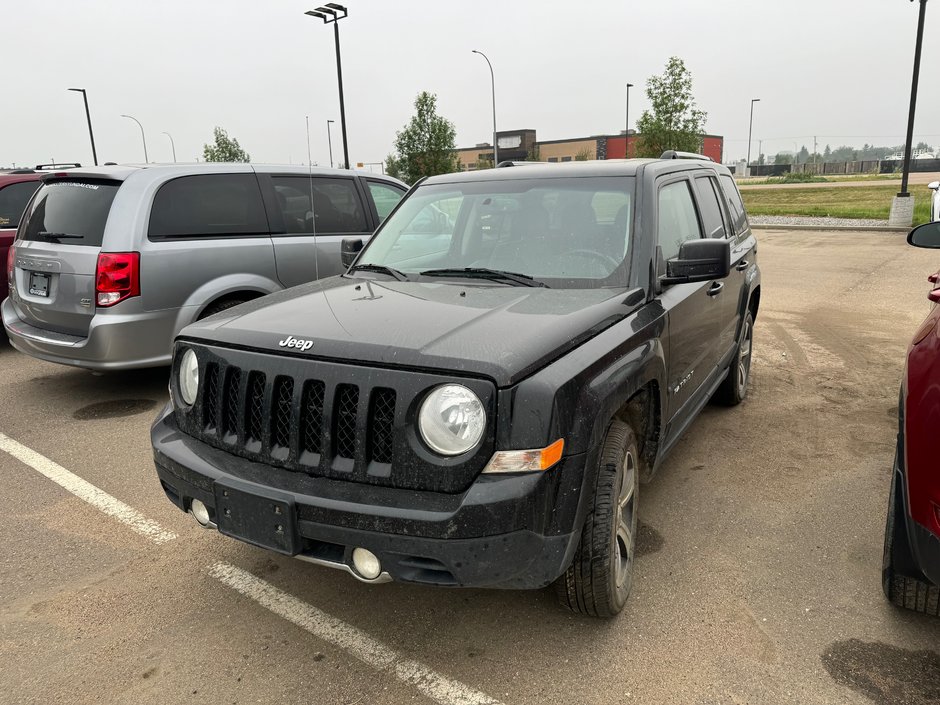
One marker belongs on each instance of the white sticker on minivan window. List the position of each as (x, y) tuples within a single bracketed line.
[(93, 187)]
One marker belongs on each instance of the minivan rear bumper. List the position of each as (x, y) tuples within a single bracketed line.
[(115, 341)]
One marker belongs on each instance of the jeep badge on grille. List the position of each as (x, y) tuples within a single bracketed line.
[(292, 342)]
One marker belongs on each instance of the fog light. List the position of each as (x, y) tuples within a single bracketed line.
[(199, 511), (366, 563)]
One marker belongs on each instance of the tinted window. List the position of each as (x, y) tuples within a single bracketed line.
[(386, 198), (13, 200), (711, 208), (678, 220), (336, 205), (77, 208), (735, 206), (208, 205)]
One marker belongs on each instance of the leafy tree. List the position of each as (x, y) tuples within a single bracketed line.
[(673, 122), (585, 155), (803, 156), (426, 145), (534, 155), (485, 163), (392, 166), (827, 154), (225, 149), (781, 158)]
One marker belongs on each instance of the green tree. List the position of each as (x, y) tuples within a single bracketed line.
[(673, 121), (426, 145), (392, 166), (533, 155), (225, 149), (803, 156), (781, 158), (585, 155)]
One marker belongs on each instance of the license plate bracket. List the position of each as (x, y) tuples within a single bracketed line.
[(257, 515), (39, 284)]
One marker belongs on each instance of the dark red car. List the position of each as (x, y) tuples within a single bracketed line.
[(911, 572), (16, 188)]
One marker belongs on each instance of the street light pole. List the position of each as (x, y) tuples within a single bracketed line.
[(172, 144), (142, 136), (329, 140), (910, 118), (91, 134), (493, 86), (749, 131), (626, 132), (330, 14)]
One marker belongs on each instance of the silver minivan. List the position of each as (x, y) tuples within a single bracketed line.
[(110, 263)]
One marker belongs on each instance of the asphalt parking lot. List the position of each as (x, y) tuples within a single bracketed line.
[(758, 581)]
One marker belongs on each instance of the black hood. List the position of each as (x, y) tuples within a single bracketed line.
[(501, 332)]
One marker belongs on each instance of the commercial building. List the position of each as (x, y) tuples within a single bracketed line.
[(518, 145)]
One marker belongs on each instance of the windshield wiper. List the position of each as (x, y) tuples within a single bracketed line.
[(483, 273), (58, 236), (381, 268)]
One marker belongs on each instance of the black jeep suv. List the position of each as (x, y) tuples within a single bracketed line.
[(475, 401)]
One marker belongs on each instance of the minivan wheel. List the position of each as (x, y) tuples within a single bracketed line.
[(599, 579), (220, 306), (733, 390)]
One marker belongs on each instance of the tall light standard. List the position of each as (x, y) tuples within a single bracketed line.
[(142, 136), (172, 144), (330, 14), (626, 132), (94, 154), (750, 128), (910, 117), (493, 85), (329, 140)]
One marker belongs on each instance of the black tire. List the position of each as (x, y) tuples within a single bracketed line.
[(598, 581), (220, 306), (912, 593), (733, 390)]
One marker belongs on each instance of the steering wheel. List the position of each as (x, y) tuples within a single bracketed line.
[(596, 256)]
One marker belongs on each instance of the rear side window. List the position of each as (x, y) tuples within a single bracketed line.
[(711, 207), (13, 200), (735, 206), (336, 207), (678, 220), (208, 205), (386, 198), (70, 212)]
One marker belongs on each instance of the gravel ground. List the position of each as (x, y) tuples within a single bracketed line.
[(814, 220)]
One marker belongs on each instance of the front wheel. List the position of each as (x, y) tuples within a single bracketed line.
[(598, 581)]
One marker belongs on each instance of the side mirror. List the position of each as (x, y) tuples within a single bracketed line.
[(699, 260), (350, 249), (926, 235), (934, 185)]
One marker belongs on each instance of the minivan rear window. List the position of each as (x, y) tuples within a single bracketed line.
[(72, 212), (208, 205)]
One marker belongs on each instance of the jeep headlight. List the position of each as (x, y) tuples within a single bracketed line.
[(188, 378), (452, 419)]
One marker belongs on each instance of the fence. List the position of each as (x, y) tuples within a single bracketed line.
[(886, 166)]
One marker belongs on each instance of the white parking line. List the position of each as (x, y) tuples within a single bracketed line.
[(86, 491), (356, 642)]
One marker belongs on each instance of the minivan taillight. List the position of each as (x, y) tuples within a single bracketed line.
[(117, 277)]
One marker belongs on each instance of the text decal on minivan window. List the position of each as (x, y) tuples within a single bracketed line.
[(93, 187)]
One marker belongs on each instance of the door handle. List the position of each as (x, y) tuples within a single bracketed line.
[(715, 288), (742, 265)]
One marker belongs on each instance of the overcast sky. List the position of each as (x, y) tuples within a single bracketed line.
[(839, 69)]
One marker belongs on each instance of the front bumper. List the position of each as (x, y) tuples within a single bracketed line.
[(115, 341), (505, 531)]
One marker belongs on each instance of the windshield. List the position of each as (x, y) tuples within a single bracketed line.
[(73, 212), (565, 232)]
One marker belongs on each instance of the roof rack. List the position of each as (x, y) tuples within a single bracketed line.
[(511, 163), (673, 154), (63, 165)]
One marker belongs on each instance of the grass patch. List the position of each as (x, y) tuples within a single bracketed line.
[(836, 202)]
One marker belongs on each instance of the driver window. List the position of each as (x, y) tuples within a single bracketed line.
[(678, 220)]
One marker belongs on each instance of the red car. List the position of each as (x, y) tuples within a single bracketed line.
[(16, 188), (911, 571)]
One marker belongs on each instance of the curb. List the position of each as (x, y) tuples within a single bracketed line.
[(844, 228)]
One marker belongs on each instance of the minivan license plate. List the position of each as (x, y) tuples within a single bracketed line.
[(38, 284)]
